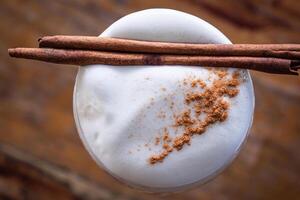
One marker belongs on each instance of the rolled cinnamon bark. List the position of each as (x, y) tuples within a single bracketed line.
[(288, 51), (84, 57)]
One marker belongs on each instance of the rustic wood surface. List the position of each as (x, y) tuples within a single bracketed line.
[(41, 155)]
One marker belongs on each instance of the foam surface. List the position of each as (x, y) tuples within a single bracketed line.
[(116, 108)]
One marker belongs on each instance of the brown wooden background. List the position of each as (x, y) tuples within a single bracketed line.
[(41, 156)]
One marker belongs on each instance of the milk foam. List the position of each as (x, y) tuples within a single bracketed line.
[(116, 108)]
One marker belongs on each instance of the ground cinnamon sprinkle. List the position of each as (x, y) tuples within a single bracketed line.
[(161, 115), (157, 140), (184, 119), (209, 102), (166, 137), (221, 73), (199, 82)]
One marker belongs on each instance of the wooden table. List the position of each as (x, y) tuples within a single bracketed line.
[(41, 155)]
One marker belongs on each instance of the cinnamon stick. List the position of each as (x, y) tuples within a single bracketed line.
[(85, 57), (287, 51)]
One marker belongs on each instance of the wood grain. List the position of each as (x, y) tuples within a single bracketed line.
[(36, 111)]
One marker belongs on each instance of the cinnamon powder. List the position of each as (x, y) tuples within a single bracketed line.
[(208, 101)]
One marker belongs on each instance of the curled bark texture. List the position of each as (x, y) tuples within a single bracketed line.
[(288, 51), (87, 57)]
